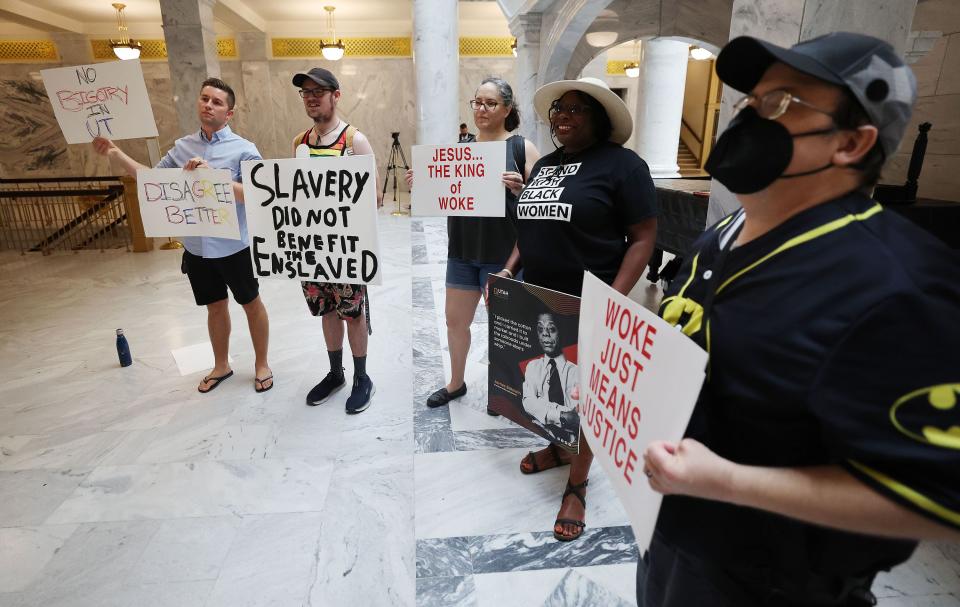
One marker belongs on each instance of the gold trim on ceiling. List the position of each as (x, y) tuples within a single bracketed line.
[(616, 68), (28, 50), (486, 47), (353, 47), (157, 49)]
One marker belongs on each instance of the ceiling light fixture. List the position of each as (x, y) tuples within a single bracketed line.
[(124, 48), (601, 39), (332, 50), (699, 54)]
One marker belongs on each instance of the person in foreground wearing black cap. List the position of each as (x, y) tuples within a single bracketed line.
[(337, 304), (826, 439)]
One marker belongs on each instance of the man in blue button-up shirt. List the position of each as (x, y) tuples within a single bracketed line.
[(214, 264)]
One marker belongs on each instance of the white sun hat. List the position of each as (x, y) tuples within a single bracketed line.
[(616, 109)]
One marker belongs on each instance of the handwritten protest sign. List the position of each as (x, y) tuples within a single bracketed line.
[(533, 375), (460, 180), (101, 100), (175, 202), (639, 381), (313, 219)]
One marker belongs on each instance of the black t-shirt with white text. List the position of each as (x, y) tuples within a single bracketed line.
[(573, 215)]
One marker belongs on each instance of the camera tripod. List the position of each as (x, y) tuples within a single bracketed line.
[(396, 154)]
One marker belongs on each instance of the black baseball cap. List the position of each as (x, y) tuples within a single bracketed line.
[(866, 66), (319, 75)]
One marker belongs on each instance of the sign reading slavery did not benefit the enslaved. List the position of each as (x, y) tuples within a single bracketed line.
[(175, 202), (639, 382), (313, 219), (100, 100), (460, 180)]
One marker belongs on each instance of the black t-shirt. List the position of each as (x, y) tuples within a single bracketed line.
[(573, 216), (834, 339), (486, 239)]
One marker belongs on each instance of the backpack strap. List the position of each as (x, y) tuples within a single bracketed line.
[(351, 131)]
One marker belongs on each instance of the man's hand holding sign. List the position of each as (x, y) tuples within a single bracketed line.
[(639, 381)]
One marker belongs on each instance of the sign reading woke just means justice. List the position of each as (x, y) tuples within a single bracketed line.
[(459, 180), (101, 100), (639, 382), (175, 202), (313, 219)]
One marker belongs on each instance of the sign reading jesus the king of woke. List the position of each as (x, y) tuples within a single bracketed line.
[(460, 180), (313, 219)]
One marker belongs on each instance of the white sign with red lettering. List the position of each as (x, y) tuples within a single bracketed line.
[(175, 202), (639, 382), (463, 180), (100, 100)]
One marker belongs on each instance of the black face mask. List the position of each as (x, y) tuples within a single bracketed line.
[(754, 152)]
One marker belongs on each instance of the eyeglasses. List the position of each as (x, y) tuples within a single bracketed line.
[(571, 109), (476, 104), (318, 93), (774, 104)]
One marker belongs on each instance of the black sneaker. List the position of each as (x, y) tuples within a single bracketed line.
[(359, 399), (325, 389)]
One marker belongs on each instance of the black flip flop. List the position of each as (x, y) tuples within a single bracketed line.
[(216, 382), (531, 457), (259, 387), (573, 490)]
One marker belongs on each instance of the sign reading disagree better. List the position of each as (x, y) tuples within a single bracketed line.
[(639, 382), (313, 219), (175, 202), (101, 100), (460, 180)]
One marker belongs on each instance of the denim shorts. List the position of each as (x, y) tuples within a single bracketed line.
[(469, 275)]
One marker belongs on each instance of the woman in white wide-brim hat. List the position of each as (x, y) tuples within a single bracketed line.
[(603, 220)]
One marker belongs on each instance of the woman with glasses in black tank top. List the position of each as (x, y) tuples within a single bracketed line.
[(479, 246)]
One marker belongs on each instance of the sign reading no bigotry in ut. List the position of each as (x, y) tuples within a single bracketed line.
[(175, 202), (639, 382), (313, 219), (100, 100), (463, 180)]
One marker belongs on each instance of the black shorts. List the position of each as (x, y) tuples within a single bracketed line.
[(209, 278)]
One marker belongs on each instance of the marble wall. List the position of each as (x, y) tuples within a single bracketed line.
[(938, 78), (32, 144), (378, 96)]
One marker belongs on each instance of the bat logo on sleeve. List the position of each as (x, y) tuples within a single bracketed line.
[(930, 415)]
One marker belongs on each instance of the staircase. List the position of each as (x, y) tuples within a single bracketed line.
[(689, 166)]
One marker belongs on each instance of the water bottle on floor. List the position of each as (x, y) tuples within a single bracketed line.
[(123, 349)]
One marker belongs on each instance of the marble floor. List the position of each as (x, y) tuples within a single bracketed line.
[(126, 487)]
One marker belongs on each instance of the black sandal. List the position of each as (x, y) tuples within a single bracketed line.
[(531, 459), (216, 382), (573, 490)]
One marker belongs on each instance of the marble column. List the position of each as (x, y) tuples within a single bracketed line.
[(526, 29), (74, 49), (436, 58), (255, 111), (786, 22), (191, 53), (656, 134)]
